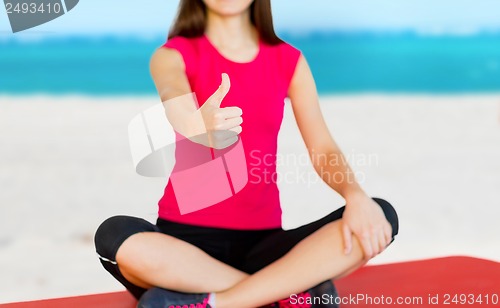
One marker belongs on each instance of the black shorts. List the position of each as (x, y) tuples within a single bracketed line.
[(248, 251)]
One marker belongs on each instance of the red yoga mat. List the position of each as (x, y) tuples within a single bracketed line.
[(441, 282)]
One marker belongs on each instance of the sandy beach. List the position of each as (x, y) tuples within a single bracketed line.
[(65, 166)]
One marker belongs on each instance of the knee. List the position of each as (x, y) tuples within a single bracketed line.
[(390, 214), (106, 235), (115, 230)]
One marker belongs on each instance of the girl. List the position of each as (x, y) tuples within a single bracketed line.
[(235, 253)]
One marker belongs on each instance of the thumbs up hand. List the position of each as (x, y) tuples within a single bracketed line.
[(223, 125), (210, 125)]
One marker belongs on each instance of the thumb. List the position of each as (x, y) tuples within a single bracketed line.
[(347, 238), (216, 98)]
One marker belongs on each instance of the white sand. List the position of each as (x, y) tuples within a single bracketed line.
[(65, 167)]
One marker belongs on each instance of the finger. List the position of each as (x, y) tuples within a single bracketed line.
[(225, 84), (388, 233), (382, 241), (229, 123), (225, 143), (367, 247), (374, 240), (221, 92), (220, 136), (217, 139), (347, 238), (237, 130), (231, 112)]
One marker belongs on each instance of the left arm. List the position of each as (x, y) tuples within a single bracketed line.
[(362, 216)]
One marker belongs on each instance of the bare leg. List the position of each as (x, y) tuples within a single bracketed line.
[(154, 259), (317, 258), (352, 269)]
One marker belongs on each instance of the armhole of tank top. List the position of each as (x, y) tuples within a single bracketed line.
[(292, 58)]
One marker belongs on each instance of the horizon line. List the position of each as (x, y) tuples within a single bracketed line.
[(152, 36)]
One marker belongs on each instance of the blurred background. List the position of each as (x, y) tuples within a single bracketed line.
[(353, 46), (412, 85)]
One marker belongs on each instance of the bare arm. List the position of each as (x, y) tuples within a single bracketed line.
[(362, 216), (168, 71), (209, 125), (317, 137)]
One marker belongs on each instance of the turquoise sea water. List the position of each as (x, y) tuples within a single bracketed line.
[(341, 63)]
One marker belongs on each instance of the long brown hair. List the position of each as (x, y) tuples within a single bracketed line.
[(191, 20)]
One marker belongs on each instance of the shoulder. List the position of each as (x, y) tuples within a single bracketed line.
[(166, 58), (178, 52), (181, 42), (287, 57), (286, 51), (187, 47)]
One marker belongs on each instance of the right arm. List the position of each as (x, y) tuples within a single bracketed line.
[(209, 125), (168, 72)]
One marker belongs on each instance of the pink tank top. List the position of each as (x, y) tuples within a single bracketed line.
[(259, 88)]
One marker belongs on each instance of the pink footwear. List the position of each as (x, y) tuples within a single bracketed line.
[(161, 298)]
